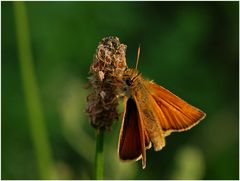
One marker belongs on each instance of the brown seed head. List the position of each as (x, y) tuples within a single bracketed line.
[(107, 68)]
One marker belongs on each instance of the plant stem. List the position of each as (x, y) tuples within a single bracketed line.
[(99, 158), (30, 88)]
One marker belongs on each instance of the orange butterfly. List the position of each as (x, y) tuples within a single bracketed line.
[(151, 113)]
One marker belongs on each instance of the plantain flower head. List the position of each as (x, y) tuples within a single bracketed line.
[(106, 72)]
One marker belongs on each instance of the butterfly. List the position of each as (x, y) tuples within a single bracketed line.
[(151, 113)]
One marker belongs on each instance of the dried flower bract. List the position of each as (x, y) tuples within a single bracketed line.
[(107, 68)]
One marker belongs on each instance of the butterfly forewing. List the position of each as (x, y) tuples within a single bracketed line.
[(130, 141), (174, 113)]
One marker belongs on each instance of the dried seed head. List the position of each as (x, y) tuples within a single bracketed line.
[(107, 68)]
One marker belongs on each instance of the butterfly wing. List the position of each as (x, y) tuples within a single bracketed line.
[(132, 138), (174, 113)]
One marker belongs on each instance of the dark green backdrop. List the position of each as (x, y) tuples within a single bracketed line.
[(191, 48)]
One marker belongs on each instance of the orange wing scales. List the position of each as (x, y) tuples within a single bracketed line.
[(174, 113)]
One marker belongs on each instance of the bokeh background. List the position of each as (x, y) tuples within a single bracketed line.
[(191, 48)]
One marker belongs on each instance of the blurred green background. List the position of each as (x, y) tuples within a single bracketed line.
[(190, 48)]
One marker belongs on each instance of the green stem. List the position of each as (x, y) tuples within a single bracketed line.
[(30, 88), (99, 158)]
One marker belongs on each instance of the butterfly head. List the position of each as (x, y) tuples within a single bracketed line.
[(130, 76), (130, 80)]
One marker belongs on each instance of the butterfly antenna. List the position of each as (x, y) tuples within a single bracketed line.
[(138, 55)]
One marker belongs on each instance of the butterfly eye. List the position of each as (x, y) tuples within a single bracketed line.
[(128, 81)]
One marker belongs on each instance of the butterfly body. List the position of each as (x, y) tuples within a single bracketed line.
[(151, 113)]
